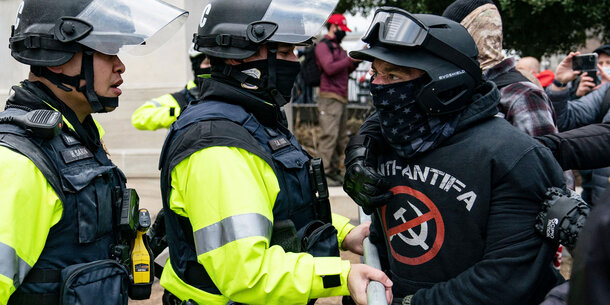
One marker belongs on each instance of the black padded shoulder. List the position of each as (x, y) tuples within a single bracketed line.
[(213, 133), (26, 147)]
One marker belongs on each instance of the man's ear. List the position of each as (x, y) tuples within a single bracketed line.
[(56, 69), (234, 62)]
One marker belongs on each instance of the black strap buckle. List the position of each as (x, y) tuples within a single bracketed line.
[(32, 42), (223, 40)]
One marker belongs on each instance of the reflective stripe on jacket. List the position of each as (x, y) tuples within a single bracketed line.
[(229, 198)]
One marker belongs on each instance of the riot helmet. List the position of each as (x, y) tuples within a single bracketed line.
[(233, 29), (440, 47), (49, 33)]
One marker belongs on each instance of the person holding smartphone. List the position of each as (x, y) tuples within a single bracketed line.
[(574, 113), (594, 68)]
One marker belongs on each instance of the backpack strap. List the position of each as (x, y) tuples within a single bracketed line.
[(511, 77), (27, 148), (329, 45)]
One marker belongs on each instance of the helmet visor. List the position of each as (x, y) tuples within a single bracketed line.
[(298, 20), (397, 27), (119, 24)]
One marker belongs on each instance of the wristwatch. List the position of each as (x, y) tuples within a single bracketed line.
[(558, 84)]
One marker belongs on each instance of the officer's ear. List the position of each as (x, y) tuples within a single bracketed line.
[(57, 69), (234, 62)]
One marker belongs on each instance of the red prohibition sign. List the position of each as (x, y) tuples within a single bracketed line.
[(433, 213)]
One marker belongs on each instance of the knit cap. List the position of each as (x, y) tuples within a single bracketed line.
[(459, 9)]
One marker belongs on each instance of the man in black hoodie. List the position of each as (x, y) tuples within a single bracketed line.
[(458, 222)]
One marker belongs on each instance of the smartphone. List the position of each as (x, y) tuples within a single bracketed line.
[(585, 62)]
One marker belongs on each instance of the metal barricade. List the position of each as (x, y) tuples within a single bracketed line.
[(375, 292)]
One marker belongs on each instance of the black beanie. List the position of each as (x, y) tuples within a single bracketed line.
[(459, 9), (603, 49)]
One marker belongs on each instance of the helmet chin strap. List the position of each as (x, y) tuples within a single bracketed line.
[(272, 83), (98, 103)]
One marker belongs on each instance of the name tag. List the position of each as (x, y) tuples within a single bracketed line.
[(278, 143), (75, 154)]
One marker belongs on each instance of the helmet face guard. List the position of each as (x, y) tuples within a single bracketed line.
[(397, 27), (229, 29), (121, 24), (106, 26)]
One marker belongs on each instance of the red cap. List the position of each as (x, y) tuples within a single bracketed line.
[(339, 20), (546, 78)]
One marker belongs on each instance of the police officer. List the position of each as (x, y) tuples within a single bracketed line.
[(464, 186), (162, 111), (240, 212), (60, 192)]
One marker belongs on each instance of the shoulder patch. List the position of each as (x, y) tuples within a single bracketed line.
[(278, 143), (69, 140)]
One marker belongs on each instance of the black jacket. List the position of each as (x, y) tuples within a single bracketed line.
[(470, 205), (586, 147), (590, 281)]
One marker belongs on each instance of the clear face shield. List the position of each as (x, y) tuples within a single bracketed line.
[(120, 25), (298, 20)]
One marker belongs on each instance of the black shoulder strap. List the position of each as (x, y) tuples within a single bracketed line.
[(198, 137), (605, 104), (181, 99), (25, 147), (511, 77)]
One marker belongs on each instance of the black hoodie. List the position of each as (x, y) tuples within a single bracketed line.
[(460, 228)]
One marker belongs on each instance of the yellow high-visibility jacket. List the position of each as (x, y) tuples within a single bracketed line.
[(29, 208), (228, 194), (159, 112)]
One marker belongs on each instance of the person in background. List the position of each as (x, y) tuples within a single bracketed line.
[(60, 236), (335, 67), (584, 84), (162, 111), (589, 109), (529, 67), (523, 104)]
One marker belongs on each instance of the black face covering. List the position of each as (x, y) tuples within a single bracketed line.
[(202, 71), (340, 35), (286, 75)]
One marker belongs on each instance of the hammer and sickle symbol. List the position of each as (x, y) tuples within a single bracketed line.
[(416, 239)]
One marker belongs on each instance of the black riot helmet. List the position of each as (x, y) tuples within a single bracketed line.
[(49, 33), (234, 29), (440, 47)]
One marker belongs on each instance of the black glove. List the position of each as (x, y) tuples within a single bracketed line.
[(362, 182), (562, 217)]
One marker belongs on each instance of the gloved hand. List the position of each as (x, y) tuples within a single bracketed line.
[(562, 217), (362, 182)]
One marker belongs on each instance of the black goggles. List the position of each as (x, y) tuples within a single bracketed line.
[(397, 27)]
